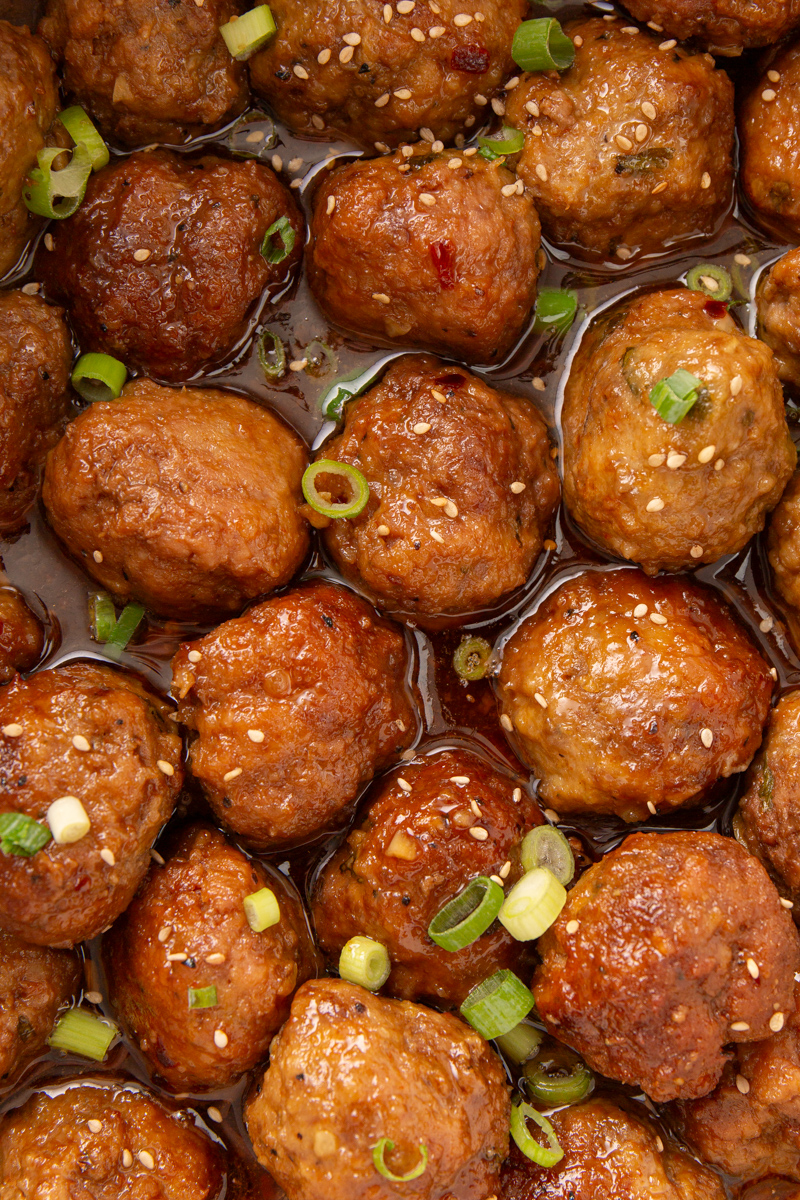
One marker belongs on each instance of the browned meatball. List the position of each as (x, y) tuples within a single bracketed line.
[(418, 70), (291, 708), (647, 972), (784, 544), (630, 149), (724, 26), (415, 849), (187, 930), (770, 140), (628, 694), (161, 265), (148, 70), (34, 982), (21, 635), (462, 488), (348, 1069), (672, 496), (85, 731), (425, 253), (778, 301), (189, 499), (610, 1153), (35, 358), (50, 1148)]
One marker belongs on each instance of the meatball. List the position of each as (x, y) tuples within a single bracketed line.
[(630, 149), (187, 931), (413, 850), (51, 1146), (291, 708), (647, 972), (462, 488), (629, 694), (423, 252), (770, 141), (672, 496), (21, 635), (161, 266), (778, 303), (723, 26), (186, 500), (148, 70), (34, 983), (349, 1069), (415, 70), (94, 734), (610, 1153), (784, 544), (35, 359)]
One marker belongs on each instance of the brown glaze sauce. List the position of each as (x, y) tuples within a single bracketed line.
[(451, 711)]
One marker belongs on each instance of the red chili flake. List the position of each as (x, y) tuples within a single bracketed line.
[(82, 882), (450, 381), (716, 309), (473, 60), (444, 255)]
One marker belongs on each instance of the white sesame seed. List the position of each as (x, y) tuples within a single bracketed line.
[(164, 932), (352, 39), (324, 56), (497, 879), (480, 99), (331, 205), (194, 656), (752, 967), (742, 1084), (651, 808), (178, 956), (540, 700), (95, 1126), (578, 40), (696, 551), (300, 72), (346, 54), (657, 619), (506, 722), (156, 857), (675, 460), (405, 6), (659, 1145), (512, 83), (640, 611), (220, 1038), (296, 183), (773, 76), (497, 106), (382, 531), (656, 28), (624, 252), (776, 1022), (80, 742), (649, 110), (707, 738), (705, 181), (740, 1026), (505, 870), (706, 454), (655, 505), (453, 163), (94, 997), (540, 385), (508, 189), (787, 903), (403, 93), (768, 94), (660, 187), (670, 44), (48, 241), (437, 537), (541, 172), (460, 779), (623, 142), (215, 959), (404, 784), (319, 124), (30, 289), (427, 199), (532, 107), (108, 857), (629, 29), (774, 674), (417, 35), (476, 808), (383, 100), (229, 775), (766, 624), (127, 1158), (142, 254), (381, 297), (657, 460), (421, 427), (517, 487), (12, 731), (387, 13), (277, 162), (214, 1114), (165, 767), (479, 833), (572, 926), (462, 19), (742, 259), (641, 133), (719, 464), (736, 385), (146, 1159), (451, 509)]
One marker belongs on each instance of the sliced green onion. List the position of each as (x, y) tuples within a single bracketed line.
[(248, 33), (114, 634), (547, 847), (81, 129), (365, 962), (255, 142), (355, 484), (276, 368), (98, 377), (262, 910), (672, 398), (469, 914), (321, 358), (497, 1005), (102, 615), (508, 141), (333, 399), (126, 626), (542, 45), (378, 1152), (560, 1078), (21, 835), (283, 229), (471, 659), (68, 820), (532, 905), (713, 280), (520, 1115), (203, 997), (57, 194), (81, 1032), (520, 1043), (555, 309)]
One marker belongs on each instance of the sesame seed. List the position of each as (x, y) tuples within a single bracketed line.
[(80, 742), (675, 460), (512, 83), (705, 181), (640, 610), (706, 454), (766, 624), (656, 460), (387, 13), (578, 40), (229, 775), (660, 187), (427, 199), (670, 44), (540, 385), (382, 531), (215, 959), (437, 31), (541, 172), (12, 731), (383, 100), (300, 72), (403, 93), (277, 162), (453, 163), (517, 487), (651, 808), (164, 932), (352, 39), (629, 29), (774, 674), (94, 997), (318, 123), (439, 501), (752, 967), (417, 35), (497, 879), (437, 537), (421, 427), (649, 110), (194, 656), (696, 551), (295, 164), (506, 722), (324, 56), (505, 870), (256, 135), (552, 815), (736, 385), (572, 926), (742, 259), (451, 509), (537, 130), (655, 505), (787, 903), (30, 289), (742, 1084), (462, 779), (657, 619), (405, 6), (108, 857), (641, 133), (146, 1159), (656, 28), (381, 297), (768, 94), (719, 464), (345, 55), (407, 755), (462, 19), (480, 834), (624, 253), (707, 738), (740, 1026), (404, 784), (480, 99), (165, 768), (48, 241), (497, 105), (179, 956), (476, 808), (220, 1038), (296, 183), (776, 1022), (509, 189), (540, 700), (406, 151), (532, 107), (95, 1126), (623, 142), (214, 1114), (773, 76), (659, 1145), (156, 857), (299, 364)]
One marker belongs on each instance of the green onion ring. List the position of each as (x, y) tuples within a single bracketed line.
[(356, 482), (248, 149), (81, 1032), (672, 398), (542, 45), (281, 228), (508, 141), (471, 658), (468, 915), (98, 377), (321, 358), (497, 1005), (532, 905), (378, 1152), (347, 387), (262, 909), (365, 962), (520, 1043), (715, 282), (205, 997), (555, 309), (81, 129), (272, 370), (555, 1089), (102, 616), (44, 184), (521, 1113), (114, 634), (21, 835), (547, 847), (248, 33), (125, 628)]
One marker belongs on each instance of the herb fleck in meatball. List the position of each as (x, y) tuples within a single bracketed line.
[(770, 141), (34, 983), (724, 26), (21, 635), (778, 301)]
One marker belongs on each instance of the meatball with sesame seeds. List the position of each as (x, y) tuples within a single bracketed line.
[(630, 696), (769, 132), (439, 251), (21, 635), (646, 973), (783, 543), (778, 304), (34, 984), (725, 27), (374, 72)]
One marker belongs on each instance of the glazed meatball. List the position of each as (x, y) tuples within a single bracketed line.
[(34, 983), (21, 635), (770, 142), (348, 1069), (630, 149), (413, 851), (425, 253), (723, 26), (161, 265), (778, 302), (647, 971), (784, 544), (418, 70), (185, 500), (187, 931), (291, 708), (150, 70), (610, 1153), (35, 359), (101, 737), (672, 496), (142, 1151), (627, 694), (462, 488)]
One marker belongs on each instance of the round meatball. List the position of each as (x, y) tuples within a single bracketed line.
[(725, 27), (646, 973), (102, 737), (148, 70), (414, 849), (462, 488), (185, 500), (349, 1069), (51, 1146), (778, 303), (161, 266), (416, 70), (628, 694), (35, 360), (784, 544), (34, 983), (187, 931), (672, 496), (610, 1153), (291, 708), (770, 141), (423, 252), (21, 635), (630, 149)]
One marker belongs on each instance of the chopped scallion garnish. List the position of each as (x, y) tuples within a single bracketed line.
[(471, 659), (672, 398), (253, 135), (345, 388), (520, 1043), (321, 358), (114, 634), (379, 1151), (545, 1156), (532, 905), (81, 1032), (21, 835), (98, 377), (271, 355), (547, 847), (81, 129), (205, 997), (542, 45), (365, 962), (262, 909), (248, 33), (342, 473), (713, 280), (57, 194), (567, 1081), (555, 309), (468, 915), (497, 1005), (508, 141), (283, 229), (68, 820)]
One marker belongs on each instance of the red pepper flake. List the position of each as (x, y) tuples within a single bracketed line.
[(444, 255), (450, 381), (716, 309), (471, 59)]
